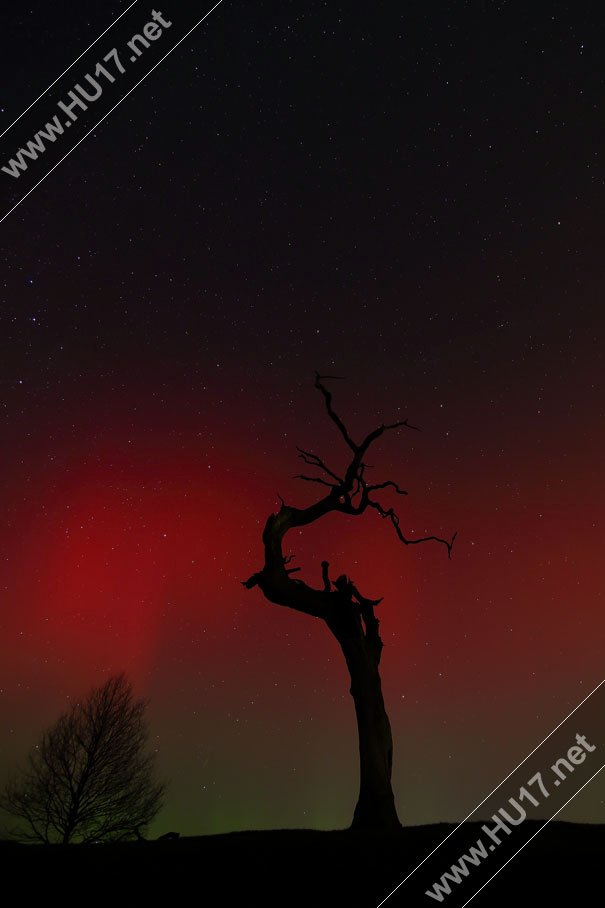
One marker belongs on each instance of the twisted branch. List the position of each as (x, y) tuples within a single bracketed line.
[(349, 495), (389, 513), (385, 485), (318, 479), (314, 461)]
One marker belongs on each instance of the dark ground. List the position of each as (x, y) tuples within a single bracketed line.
[(302, 867)]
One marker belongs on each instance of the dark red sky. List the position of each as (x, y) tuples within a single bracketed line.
[(414, 203)]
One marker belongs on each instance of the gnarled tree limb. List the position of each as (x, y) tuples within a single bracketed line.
[(349, 495)]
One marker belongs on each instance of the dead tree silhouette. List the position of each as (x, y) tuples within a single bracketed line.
[(349, 615)]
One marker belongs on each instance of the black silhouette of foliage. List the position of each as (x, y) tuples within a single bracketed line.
[(89, 778)]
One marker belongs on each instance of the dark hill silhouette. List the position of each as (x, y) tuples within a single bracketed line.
[(304, 867)]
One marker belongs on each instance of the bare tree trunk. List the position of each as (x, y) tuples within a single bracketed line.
[(376, 804)]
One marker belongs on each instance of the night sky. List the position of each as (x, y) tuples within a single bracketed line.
[(410, 196)]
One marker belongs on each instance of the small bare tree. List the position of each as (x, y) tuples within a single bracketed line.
[(349, 615), (89, 778)]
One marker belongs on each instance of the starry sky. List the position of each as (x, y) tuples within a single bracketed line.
[(410, 197)]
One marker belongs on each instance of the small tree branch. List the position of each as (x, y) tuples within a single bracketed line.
[(314, 461), (323, 482), (385, 485), (325, 567), (362, 600), (327, 395), (389, 514), (376, 433)]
